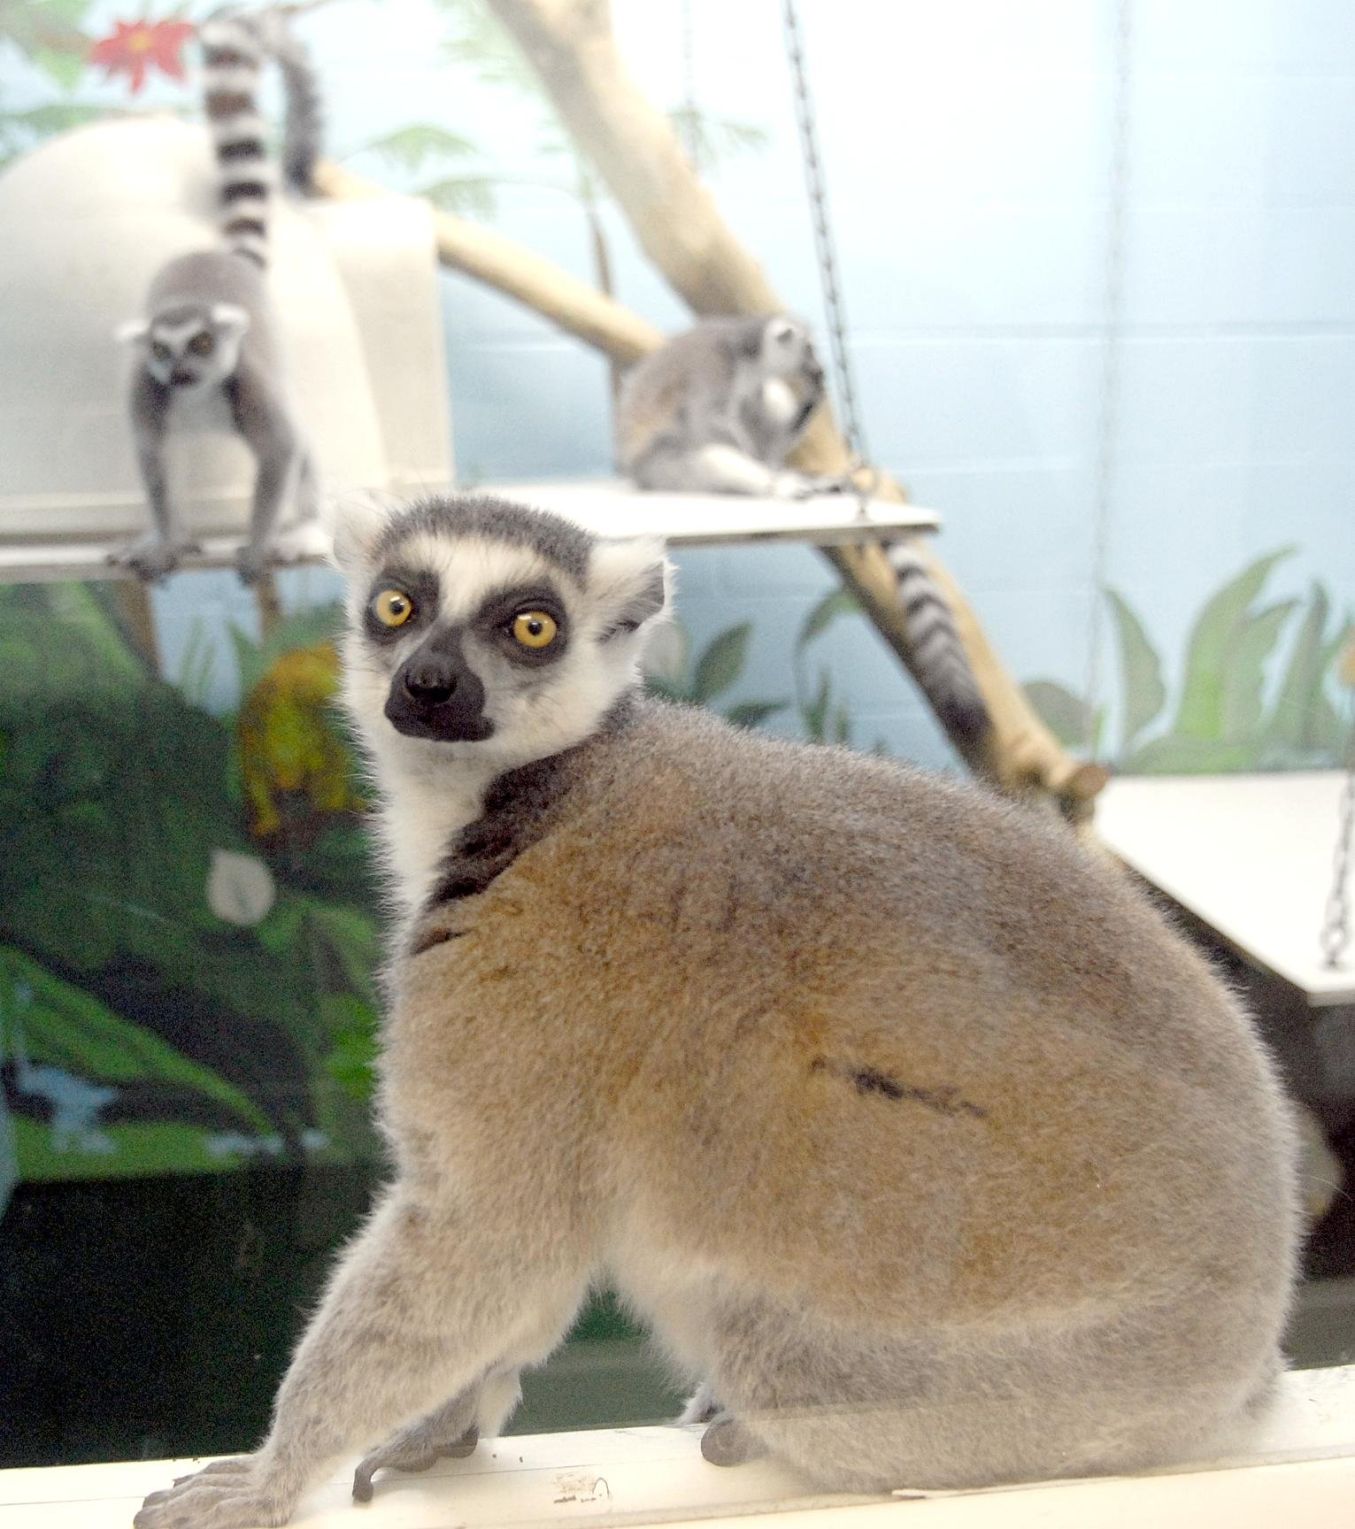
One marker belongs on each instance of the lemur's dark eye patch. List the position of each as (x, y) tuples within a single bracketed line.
[(528, 623), (401, 601)]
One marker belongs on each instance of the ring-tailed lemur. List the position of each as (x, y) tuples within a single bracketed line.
[(912, 1130), (717, 410), (210, 340)]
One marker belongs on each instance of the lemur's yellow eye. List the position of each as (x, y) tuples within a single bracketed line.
[(534, 629), (392, 607)]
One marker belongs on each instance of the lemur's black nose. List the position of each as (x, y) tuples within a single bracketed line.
[(430, 681)]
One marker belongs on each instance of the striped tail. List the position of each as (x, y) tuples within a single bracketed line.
[(233, 55), (303, 128), (303, 123), (235, 47), (940, 664)]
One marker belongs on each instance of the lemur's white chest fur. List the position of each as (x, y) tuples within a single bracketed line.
[(423, 810), (201, 410), (779, 402)]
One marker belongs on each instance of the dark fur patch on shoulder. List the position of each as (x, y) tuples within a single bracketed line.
[(561, 542), (520, 809), (946, 1100), (517, 813)]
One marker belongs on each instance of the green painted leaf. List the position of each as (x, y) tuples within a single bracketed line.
[(72, 12), (1292, 720), (722, 663), (754, 713), (815, 712), (1142, 687), (81, 612), (1066, 715), (65, 1027), (473, 194), (55, 117), (1201, 714), (664, 689), (838, 602), (842, 725), (412, 147), (64, 68), (1173, 755), (1244, 670)]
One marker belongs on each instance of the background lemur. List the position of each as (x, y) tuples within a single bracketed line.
[(718, 409), (914, 1134), (210, 335)]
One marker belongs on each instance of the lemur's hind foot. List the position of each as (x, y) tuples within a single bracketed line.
[(729, 1442)]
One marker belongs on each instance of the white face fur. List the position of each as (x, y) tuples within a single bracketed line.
[(188, 348), (788, 351), (481, 635)]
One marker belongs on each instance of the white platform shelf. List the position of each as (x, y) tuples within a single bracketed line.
[(1300, 1473), (609, 507), (1248, 855)]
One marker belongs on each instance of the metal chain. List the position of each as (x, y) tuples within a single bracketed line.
[(691, 125), (1108, 424), (816, 184), (1336, 930)]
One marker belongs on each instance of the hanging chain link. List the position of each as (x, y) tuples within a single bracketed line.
[(1336, 928), (691, 123), (1112, 298), (816, 184)]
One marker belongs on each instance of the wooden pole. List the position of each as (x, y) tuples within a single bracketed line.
[(519, 273)]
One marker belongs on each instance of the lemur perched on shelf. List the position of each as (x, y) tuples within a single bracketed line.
[(718, 409), (210, 334), (930, 1154)]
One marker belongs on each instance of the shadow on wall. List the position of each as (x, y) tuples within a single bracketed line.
[(1228, 717)]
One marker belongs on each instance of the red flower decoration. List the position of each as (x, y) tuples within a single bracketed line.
[(136, 45)]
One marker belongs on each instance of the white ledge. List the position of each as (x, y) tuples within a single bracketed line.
[(1300, 1473), (608, 507), (1250, 855)]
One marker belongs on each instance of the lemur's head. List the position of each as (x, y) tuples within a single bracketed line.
[(190, 346), (478, 628), (786, 349)]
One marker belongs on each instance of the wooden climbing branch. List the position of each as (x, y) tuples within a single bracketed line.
[(519, 273)]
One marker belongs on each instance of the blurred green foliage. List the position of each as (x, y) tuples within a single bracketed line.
[(1254, 692)]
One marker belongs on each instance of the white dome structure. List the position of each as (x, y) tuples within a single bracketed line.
[(88, 218)]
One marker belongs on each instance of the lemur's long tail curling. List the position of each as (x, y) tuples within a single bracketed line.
[(235, 46), (940, 663)]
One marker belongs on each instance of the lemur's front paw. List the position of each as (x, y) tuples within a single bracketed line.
[(151, 558), (298, 543), (252, 562), (443, 1436), (793, 485), (229, 1494)]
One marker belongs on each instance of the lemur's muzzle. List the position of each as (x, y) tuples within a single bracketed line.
[(436, 694)]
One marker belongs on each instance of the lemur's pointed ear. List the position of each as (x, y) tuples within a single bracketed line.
[(358, 522), (630, 581), (230, 317)]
